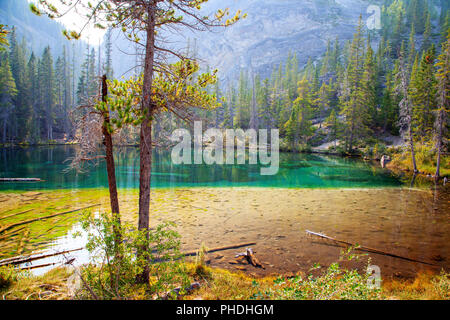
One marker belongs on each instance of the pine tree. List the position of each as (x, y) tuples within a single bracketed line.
[(323, 101), (8, 92), (405, 107), (423, 94), (242, 117), (265, 108), (33, 94), (427, 34), (367, 90), (18, 68), (298, 126), (254, 123), (108, 67), (93, 77), (352, 104), (333, 125), (335, 57), (48, 91), (443, 105), (411, 46), (83, 81)]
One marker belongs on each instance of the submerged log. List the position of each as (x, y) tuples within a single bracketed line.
[(15, 214), (39, 266), (10, 226), (367, 249), (24, 259), (21, 180), (193, 253)]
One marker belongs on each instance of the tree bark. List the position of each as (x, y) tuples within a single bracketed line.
[(145, 143), (439, 145), (413, 154), (111, 169)]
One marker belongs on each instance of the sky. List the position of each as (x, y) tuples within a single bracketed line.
[(75, 20)]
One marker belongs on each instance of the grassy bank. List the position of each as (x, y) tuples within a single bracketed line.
[(425, 159), (333, 284)]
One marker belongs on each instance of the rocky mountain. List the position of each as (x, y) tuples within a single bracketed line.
[(272, 29)]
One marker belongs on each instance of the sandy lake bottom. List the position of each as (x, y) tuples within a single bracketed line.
[(407, 222)]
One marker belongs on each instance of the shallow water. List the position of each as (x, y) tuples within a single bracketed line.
[(346, 199)]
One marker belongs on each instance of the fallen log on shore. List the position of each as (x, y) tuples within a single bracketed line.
[(10, 226), (195, 252), (367, 249), (21, 180)]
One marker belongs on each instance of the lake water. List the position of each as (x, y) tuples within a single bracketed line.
[(348, 199), (296, 171)]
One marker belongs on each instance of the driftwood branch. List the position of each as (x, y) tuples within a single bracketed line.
[(367, 249), (249, 255), (10, 226)]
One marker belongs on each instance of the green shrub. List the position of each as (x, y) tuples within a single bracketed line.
[(333, 284), (8, 275), (114, 268)]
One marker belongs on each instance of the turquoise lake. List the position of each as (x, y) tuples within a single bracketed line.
[(49, 163)]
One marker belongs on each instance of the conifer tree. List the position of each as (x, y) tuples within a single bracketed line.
[(353, 106), (8, 92), (423, 94), (33, 101), (443, 105), (405, 107)]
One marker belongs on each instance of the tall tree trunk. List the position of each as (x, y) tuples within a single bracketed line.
[(4, 129), (413, 154), (439, 144), (145, 143), (111, 170), (254, 112)]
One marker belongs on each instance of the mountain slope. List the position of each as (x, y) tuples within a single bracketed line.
[(272, 29)]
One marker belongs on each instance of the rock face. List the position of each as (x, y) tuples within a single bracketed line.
[(272, 29)]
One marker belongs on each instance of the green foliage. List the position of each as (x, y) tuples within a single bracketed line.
[(423, 94), (334, 283), (114, 267), (174, 91), (8, 275), (3, 37)]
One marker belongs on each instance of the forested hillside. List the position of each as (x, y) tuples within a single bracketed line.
[(361, 94), (353, 92), (41, 71)]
